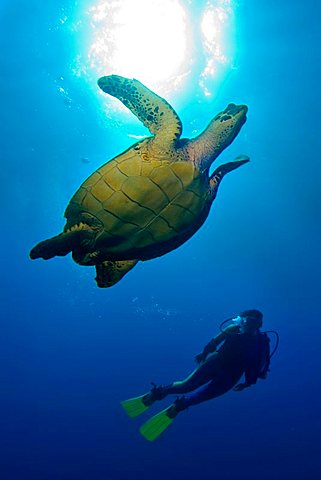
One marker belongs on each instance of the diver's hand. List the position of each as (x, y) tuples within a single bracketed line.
[(200, 358), (240, 386), (263, 375)]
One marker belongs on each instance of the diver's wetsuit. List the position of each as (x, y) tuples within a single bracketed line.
[(239, 354)]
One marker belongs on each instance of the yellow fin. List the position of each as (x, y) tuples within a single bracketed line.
[(156, 425), (134, 406)]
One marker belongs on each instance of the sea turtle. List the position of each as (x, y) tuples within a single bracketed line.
[(151, 198)]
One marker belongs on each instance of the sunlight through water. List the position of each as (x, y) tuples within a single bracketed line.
[(163, 43), (145, 39)]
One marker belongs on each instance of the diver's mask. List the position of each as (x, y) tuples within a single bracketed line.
[(246, 324), (240, 322)]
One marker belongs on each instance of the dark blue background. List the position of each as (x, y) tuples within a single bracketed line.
[(71, 352)]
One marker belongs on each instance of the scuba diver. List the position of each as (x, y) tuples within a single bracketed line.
[(244, 350)]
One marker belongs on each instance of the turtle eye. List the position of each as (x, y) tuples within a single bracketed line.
[(225, 117)]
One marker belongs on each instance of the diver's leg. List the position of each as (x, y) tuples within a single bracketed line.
[(196, 379), (202, 375), (212, 390)]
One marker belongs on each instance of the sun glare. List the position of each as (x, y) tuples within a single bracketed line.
[(165, 44), (145, 39)]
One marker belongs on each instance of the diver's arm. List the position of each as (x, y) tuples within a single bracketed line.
[(214, 343), (250, 379)]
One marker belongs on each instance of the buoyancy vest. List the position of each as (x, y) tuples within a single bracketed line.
[(250, 354)]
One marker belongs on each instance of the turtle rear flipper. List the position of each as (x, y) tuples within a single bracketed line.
[(111, 272), (64, 243)]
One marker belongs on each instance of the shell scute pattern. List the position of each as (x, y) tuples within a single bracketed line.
[(159, 229), (130, 168), (79, 196), (177, 217), (147, 169), (124, 230), (115, 178), (184, 171), (122, 207), (189, 200), (92, 180), (171, 187), (145, 193), (116, 225), (101, 190), (133, 198), (91, 204)]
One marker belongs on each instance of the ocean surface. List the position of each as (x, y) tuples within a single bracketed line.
[(71, 352)]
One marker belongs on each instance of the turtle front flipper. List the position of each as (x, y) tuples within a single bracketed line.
[(111, 272), (153, 111), (61, 245), (218, 174)]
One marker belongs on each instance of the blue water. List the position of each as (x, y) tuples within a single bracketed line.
[(70, 352)]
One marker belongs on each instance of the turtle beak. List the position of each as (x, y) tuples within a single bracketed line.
[(233, 109), (237, 111)]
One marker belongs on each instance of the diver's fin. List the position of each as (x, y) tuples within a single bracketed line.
[(156, 425), (134, 406), (111, 272)]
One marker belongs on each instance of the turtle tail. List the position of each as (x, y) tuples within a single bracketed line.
[(61, 245)]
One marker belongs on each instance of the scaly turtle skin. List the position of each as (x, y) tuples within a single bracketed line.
[(150, 199)]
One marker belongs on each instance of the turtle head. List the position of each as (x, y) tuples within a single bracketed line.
[(235, 114), (218, 135), (227, 124)]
